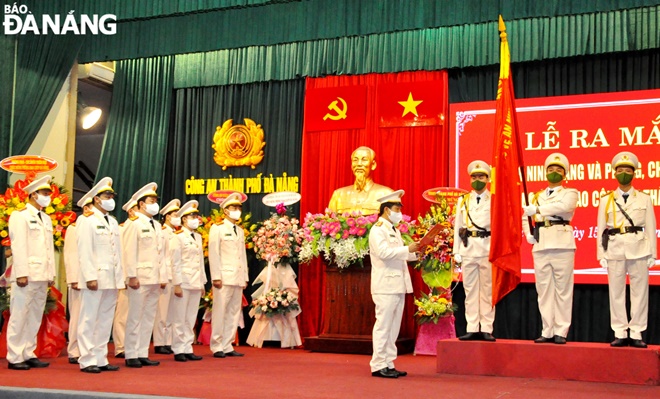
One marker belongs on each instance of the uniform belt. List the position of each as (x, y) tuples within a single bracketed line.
[(478, 233), (624, 230), (548, 223)]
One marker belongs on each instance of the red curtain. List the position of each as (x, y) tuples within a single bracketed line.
[(410, 158)]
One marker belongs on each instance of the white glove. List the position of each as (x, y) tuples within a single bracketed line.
[(650, 262), (529, 210), (603, 263), (531, 239), (458, 258)]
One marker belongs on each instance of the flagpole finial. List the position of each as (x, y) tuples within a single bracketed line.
[(502, 27)]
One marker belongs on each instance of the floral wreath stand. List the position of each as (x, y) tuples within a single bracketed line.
[(281, 327), (430, 333)]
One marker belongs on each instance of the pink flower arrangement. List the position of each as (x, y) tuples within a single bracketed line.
[(275, 301), (278, 239)]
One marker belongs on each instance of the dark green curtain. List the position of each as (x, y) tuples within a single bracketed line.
[(7, 45), (276, 106), (135, 143), (517, 316)]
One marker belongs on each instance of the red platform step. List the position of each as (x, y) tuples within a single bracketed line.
[(577, 361)]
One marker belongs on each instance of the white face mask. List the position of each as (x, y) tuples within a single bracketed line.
[(152, 209), (174, 221), (235, 214), (108, 205), (395, 217), (43, 200), (192, 223)]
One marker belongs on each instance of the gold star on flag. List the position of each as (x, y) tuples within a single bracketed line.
[(410, 105)]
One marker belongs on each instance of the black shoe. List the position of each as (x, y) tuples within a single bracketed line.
[(146, 362), (180, 357), (18, 366), (119, 355), (192, 356), (162, 350), (619, 342), (109, 367), (36, 363), (234, 354), (73, 360), (91, 369), (560, 340), (637, 343), (471, 336), (385, 373), (219, 354), (135, 363), (399, 372), (543, 340), (488, 337), (169, 349)]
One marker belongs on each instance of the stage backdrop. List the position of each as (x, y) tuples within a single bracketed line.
[(408, 157), (589, 130)]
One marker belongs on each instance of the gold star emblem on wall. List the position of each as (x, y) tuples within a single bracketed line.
[(410, 105)]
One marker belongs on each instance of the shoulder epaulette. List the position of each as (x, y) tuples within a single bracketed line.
[(72, 224), (132, 218), (121, 224), (379, 224), (642, 192), (217, 223), (571, 189), (163, 227), (21, 210), (88, 214), (606, 194), (178, 232)]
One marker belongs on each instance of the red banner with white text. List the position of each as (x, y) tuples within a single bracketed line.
[(589, 130)]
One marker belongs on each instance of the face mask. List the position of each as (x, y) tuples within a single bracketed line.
[(152, 209), (176, 222), (43, 200), (108, 205), (554, 177), (478, 185), (624, 178), (193, 223), (235, 214), (395, 217)]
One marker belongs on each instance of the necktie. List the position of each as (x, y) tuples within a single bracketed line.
[(107, 220), (625, 197), (478, 199), (41, 216), (193, 236), (151, 222), (235, 230), (550, 192)]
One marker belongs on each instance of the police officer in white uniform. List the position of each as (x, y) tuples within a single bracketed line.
[(72, 266), (627, 244), (162, 335), (101, 275), (554, 249), (33, 271), (229, 272), (390, 282), (188, 279), (121, 311), (472, 226), (146, 276)]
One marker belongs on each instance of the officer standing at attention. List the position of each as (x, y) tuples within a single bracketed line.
[(471, 249), (554, 249), (627, 244), (390, 282), (33, 271)]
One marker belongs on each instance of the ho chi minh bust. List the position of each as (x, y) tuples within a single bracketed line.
[(363, 194)]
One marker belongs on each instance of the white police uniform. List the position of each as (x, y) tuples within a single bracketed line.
[(631, 250), (121, 311), (390, 282)]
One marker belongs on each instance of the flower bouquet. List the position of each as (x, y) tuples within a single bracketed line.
[(278, 238), (59, 210), (432, 307), (275, 301), (216, 217), (343, 238)]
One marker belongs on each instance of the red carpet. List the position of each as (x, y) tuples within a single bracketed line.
[(577, 361), (272, 372)]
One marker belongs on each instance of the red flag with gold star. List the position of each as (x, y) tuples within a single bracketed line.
[(411, 104), (506, 207)]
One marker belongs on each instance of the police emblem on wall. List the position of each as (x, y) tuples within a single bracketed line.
[(238, 145)]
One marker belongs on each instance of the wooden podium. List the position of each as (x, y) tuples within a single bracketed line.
[(349, 313)]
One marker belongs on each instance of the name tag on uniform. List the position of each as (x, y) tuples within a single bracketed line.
[(146, 230), (100, 227), (34, 222), (392, 235), (229, 235)]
